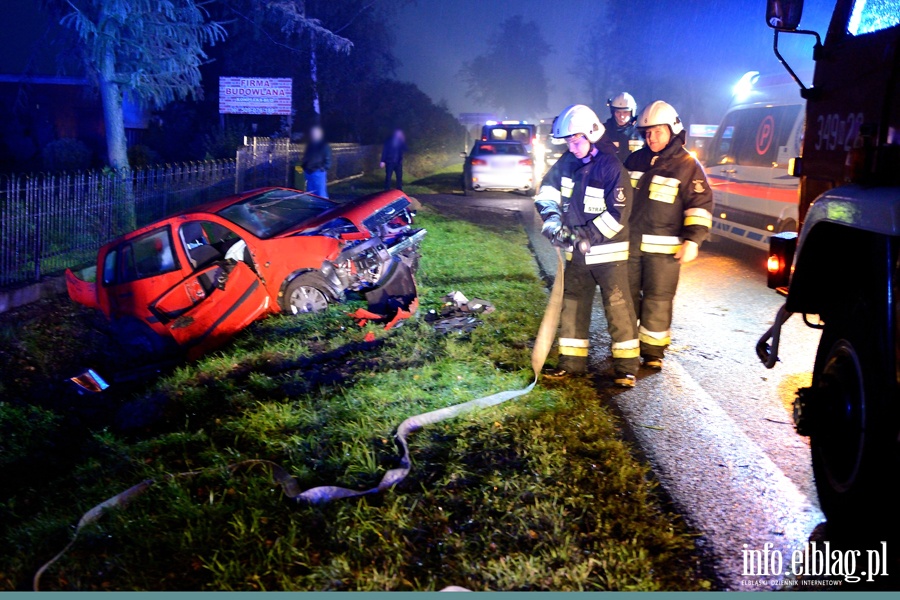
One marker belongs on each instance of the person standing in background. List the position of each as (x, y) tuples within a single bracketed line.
[(392, 158), (316, 162), (620, 127)]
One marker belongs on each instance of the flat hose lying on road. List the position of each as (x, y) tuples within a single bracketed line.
[(327, 493)]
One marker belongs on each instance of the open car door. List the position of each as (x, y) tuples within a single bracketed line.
[(205, 310)]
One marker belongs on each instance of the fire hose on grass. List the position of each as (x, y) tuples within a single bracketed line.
[(323, 494)]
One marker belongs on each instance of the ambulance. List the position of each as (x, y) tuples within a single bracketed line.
[(747, 161)]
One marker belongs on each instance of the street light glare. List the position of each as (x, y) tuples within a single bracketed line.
[(745, 84)]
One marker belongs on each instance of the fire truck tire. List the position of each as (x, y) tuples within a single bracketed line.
[(852, 447)]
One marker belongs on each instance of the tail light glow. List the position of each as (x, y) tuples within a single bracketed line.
[(478, 162), (526, 162), (773, 264)]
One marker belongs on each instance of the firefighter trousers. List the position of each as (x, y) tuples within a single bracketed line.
[(581, 281), (654, 279)]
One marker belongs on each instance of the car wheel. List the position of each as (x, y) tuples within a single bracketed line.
[(306, 294), (466, 184), (852, 449)]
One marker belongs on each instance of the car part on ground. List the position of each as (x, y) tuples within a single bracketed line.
[(392, 302), (457, 314), (89, 381)]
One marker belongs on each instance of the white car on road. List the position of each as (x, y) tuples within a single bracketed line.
[(498, 166)]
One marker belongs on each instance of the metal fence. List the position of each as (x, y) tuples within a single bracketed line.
[(52, 221), (266, 159)]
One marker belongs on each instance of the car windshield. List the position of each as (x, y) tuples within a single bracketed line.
[(271, 213), (487, 149)]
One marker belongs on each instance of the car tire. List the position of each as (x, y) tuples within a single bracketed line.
[(466, 185), (853, 449), (306, 293)]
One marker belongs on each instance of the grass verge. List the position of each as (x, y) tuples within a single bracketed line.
[(540, 493)]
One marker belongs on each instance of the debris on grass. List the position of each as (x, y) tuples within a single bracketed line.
[(456, 315)]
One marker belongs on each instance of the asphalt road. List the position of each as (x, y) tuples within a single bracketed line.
[(715, 423)]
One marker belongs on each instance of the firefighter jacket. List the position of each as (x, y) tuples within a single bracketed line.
[(593, 198), (626, 139), (672, 198)]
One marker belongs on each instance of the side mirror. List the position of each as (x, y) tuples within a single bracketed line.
[(784, 15), (463, 154)]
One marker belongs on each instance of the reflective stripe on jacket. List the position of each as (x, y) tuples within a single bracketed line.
[(672, 199)]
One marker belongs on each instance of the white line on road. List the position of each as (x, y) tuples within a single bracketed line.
[(727, 486)]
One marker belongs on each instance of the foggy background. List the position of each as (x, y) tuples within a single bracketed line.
[(689, 53)]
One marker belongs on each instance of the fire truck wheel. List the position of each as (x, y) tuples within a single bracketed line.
[(852, 449)]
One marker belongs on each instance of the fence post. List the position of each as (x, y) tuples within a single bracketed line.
[(35, 201)]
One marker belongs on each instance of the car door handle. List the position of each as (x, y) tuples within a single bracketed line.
[(729, 171)]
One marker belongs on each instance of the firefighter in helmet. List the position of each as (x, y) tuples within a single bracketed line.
[(670, 219), (585, 201), (620, 126)]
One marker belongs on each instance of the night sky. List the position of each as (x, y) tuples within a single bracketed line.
[(710, 43)]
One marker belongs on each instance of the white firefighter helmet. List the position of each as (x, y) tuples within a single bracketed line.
[(578, 118), (623, 101), (660, 113)]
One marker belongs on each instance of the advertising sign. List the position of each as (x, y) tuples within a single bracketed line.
[(255, 95)]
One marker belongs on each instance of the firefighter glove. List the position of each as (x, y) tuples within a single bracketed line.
[(556, 232), (582, 240)]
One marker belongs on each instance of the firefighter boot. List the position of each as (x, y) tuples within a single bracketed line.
[(653, 363), (624, 380)]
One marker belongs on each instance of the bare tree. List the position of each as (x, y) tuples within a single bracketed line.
[(510, 75), (609, 55), (293, 16)]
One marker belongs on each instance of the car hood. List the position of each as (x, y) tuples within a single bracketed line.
[(366, 213)]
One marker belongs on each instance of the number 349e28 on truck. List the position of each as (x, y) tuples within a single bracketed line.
[(841, 272)]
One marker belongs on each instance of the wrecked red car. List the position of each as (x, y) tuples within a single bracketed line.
[(195, 279)]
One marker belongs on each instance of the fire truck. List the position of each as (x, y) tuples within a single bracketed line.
[(841, 272)]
